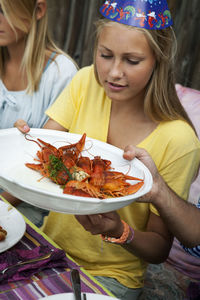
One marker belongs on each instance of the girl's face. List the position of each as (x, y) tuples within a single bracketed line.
[(124, 62), (7, 35)]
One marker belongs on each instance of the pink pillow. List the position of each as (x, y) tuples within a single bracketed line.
[(190, 100)]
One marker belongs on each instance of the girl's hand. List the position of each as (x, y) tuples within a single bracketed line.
[(107, 224), (22, 126)]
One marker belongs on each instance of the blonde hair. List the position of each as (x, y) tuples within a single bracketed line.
[(21, 14), (161, 102)]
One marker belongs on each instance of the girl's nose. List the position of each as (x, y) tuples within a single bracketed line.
[(116, 70)]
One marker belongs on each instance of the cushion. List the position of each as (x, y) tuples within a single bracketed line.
[(190, 100)]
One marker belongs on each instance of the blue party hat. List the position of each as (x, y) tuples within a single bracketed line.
[(148, 14)]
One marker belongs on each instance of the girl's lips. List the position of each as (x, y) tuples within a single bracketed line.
[(115, 86)]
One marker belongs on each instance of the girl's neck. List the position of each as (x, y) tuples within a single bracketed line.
[(128, 123), (133, 107), (14, 79), (16, 52)]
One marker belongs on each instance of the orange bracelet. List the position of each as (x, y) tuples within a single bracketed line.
[(123, 238)]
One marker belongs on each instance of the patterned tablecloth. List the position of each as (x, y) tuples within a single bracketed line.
[(48, 281)]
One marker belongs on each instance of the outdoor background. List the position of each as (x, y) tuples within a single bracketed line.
[(72, 28)]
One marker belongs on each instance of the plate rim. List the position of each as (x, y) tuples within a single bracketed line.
[(3, 203), (99, 296)]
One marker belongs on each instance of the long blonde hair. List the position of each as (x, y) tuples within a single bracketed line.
[(21, 14), (161, 102)]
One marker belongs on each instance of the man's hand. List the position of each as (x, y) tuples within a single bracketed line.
[(107, 223), (131, 152)]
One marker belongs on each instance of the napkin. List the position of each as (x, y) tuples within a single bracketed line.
[(13, 259)]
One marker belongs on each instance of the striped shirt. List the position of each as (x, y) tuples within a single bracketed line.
[(195, 251)]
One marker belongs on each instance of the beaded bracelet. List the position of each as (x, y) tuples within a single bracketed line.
[(123, 238), (132, 236)]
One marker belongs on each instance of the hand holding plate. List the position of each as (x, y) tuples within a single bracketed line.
[(107, 223), (130, 152), (22, 126)]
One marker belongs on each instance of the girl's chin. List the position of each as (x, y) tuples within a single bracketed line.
[(113, 98)]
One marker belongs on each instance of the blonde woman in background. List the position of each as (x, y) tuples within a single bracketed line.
[(33, 72)]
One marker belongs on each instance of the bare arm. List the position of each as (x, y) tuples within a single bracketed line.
[(50, 124), (181, 217), (152, 245)]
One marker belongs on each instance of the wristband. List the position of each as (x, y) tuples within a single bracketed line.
[(132, 236), (123, 238)]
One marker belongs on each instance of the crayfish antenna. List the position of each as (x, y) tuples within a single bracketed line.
[(31, 140)]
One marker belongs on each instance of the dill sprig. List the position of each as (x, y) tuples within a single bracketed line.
[(56, 165)]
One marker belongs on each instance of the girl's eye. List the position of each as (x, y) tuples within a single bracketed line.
[(133, 62), (106, 56), (1, 11)]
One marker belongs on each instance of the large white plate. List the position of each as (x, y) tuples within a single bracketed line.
[(23, 182), (12, 221), (70, 296)]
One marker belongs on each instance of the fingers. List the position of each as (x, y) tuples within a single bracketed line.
[(92, 223), (131, 152), (22, 126), (145, 198), (107, 223)]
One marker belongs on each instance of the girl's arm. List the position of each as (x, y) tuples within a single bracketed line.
[(50, 124)]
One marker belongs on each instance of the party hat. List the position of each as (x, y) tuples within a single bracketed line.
[(148, 14)]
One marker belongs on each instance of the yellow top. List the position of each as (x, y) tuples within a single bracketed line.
[(84, 107)]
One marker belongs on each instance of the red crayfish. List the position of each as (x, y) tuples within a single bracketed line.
[(79, 175)]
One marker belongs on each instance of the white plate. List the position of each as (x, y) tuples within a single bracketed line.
[(13, 222), (70, 296), (23, 182)]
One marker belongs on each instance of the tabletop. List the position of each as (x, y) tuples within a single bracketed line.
[(50, 280)]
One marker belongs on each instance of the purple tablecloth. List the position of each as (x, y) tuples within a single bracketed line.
[(50, 280)]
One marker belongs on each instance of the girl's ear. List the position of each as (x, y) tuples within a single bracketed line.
[(41, 8)]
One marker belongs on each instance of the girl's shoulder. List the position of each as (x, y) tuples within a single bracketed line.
[(60, 70), (85, 79), (86, 73), (174, 135), (61, 63), (176, 128), (62, 58), (178, 132)]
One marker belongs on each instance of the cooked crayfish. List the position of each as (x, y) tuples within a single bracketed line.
[(56, 163), (3, 234), (79, 175)]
